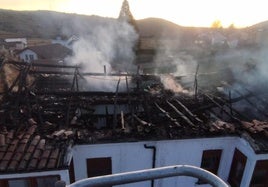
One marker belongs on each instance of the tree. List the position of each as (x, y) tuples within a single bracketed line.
[(126, 15), (216, 24), (232, 26)]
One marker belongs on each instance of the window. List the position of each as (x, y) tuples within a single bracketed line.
[(26, 57), (71, 172), (99, 166), (46, 181), (43, 181), (31, 57), (260, 174), (3, 183), (237, 168), (19, 182), (211, 161)]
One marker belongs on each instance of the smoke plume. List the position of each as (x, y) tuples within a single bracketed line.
[(104, 42), (170, 58)]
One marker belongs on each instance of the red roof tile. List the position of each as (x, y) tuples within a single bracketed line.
[(2, 140), (27, 151)]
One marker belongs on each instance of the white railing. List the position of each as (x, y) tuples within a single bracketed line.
[(150, 174)]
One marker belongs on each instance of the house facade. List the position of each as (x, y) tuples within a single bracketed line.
[(219, 155), (28, 55), (232, 158), (44, 52)]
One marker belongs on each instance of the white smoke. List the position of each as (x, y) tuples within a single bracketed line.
[(104, 42), (170, 58)]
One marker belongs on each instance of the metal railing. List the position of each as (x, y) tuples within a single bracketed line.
[(150, 174)]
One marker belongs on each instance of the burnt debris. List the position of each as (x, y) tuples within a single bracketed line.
[(54, 112)]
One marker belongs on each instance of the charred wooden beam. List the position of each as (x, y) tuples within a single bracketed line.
[(69, 93), (251, 103), (167, 115), (122, 121), (115, 105), (188, 113), (230, 101), (142, 122), (41, 65), (187, 120), (232, 110), (257, 96), (222, 108)]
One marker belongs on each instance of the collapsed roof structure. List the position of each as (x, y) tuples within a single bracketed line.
[(53, 113)]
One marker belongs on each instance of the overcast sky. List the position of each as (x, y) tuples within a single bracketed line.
[(241, 13)]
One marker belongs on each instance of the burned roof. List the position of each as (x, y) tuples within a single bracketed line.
[(44, 118)]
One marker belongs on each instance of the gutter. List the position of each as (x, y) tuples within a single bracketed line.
[(153, 160)]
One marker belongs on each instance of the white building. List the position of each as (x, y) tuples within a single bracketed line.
[(44, 153), (44, 52)]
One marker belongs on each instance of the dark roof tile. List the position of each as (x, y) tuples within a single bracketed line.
[(36, 140), (42, 164), (18, 156), (20, 135), (33, 163), (2, 155), (22, 165), (55, 153), (2, 140), (3, 165), (32, 129), (31, 149), (13, 145), (52, 163), (41, 144), (46, 154), (21, 147), (13, 165), (25, 140), (37, 153), (8, 156)]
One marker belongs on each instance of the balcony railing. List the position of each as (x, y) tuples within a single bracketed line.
[(151, 174)]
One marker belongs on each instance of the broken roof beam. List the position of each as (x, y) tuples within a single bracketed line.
[(184, 117), (41, 65), (251, 103), (188, 113), (257, 96), (142, 122), (167, 115), (222, 108), (261, 111), (59, 72), (232, 110), (68, 93)]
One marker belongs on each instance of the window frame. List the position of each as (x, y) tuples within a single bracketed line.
[(94, 166), (209, 156), (32, 181), (238, 159), (261, 165)]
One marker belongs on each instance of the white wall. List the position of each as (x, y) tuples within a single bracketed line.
[(252, 158), (22, 40), (133, 156)]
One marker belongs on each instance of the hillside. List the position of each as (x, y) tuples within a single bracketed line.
[(156, 27), (48, 24)]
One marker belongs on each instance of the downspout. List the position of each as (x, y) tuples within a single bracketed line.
[(153, 160)]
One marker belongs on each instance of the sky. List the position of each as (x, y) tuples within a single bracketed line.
[(199, 13)]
